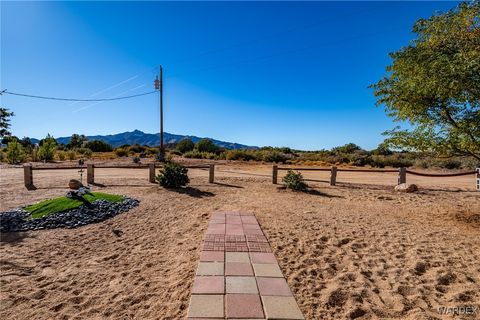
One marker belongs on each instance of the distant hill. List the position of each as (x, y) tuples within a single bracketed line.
[(151, 139)]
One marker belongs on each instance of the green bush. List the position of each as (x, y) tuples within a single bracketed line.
[(173, 175), (47, 148), (185, 145), (15, 152), (120, 152), (206, 145), (450, 164), (294, 180), (244, 155), (199, 155), (136, 148), (274, 156), (176, 152), (98, 146), (136, 159)]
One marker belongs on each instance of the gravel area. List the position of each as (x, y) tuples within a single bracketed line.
[(19, 219)]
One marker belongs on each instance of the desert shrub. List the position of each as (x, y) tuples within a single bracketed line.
[(136, 148), (176, 152), (151, 151), (98, 146), (294, 180), (87, 153), (2, 156), (47, 148), (15, 152), (72, 155), (136, 159), (395, 161), (173, 175), (61, 155), (206, 145), (121, 152), (245, 155), (450, 164), (274, 156), (185, 145), (195, 154)]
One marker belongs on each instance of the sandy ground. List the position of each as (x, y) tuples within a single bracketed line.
[(355, 250)]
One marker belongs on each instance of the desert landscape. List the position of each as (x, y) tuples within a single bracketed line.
[(356, 250)]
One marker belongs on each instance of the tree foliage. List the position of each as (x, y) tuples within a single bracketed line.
[(206, 145), (76, 141), (185, 145), (15, 152), (173, 175), (5, 116), (47, 148), (98, 146), (434, 84)]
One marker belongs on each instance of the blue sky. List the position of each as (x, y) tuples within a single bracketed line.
[(257, 73)]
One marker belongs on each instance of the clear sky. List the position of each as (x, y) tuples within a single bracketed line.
[(257, 73)]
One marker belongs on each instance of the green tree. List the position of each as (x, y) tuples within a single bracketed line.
[(185, 145), (434, 84), (98, 146), (47, 149), (76, 141), (15, 152), (206, 145), (5, 116)]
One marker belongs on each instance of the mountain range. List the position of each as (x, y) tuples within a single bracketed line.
[(150, 139)]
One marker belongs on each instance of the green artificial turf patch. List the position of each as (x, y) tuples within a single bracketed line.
[(60, 204)]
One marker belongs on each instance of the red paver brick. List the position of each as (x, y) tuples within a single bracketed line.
[(209, 285), (243, 306), (215, 238), (258, 247), (247, 214), (249, 220), (252, 231), (236, 247), (262, 257), (213, 256), (256, 238), (232, 229), (273, 287), (213, 246), (232, 213), (234, 238), (238, 269)]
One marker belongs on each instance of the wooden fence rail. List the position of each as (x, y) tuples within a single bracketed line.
[(28, 171), (402, 173)]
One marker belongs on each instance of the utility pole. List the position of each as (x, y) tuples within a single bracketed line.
[(159, 86)]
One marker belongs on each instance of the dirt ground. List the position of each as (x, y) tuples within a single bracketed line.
[(356, 250)]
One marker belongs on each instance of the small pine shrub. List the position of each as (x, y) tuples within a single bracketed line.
[(294, 180), (136, 159), (173, 175), (47, 148)]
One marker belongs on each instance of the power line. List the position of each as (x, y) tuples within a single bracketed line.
[(74, 99)]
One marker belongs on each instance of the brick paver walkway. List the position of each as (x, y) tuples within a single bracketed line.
[(238, 276)]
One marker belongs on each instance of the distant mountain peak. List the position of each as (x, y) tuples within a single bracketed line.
[(152, 139)]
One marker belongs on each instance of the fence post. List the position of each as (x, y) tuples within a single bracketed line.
[(28, 176), (274, 174), (151, 172), (333, 176), (478, 179), (402, 175), (90, 174), (211, 173)]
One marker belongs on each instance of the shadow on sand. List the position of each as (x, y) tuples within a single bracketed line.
[(192, 192), (227, 185), (14, 237)]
